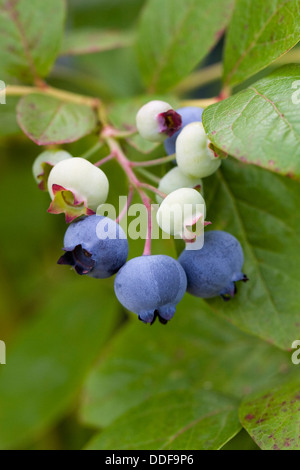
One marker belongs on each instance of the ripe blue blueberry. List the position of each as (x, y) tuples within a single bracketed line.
[(214, 270), (96, 246), (188, 115), (151, 287)]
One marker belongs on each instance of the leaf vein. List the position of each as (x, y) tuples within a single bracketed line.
[(268, 292), (254, 42), (281, 115), (11, 9)]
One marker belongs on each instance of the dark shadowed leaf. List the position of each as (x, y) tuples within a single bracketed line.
[(47, 120), (242, 441), (261, 125), (104, 13)]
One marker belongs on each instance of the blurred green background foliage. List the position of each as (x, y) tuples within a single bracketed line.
[(83, 372)]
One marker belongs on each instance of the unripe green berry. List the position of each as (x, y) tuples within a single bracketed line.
[(193, 155), (44, 163), (87, 182), (157, 120), (180, 211), (175, 179)]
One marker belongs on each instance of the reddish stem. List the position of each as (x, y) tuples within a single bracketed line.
[(127, 205), (104, 160), (117, 152), (111, 132), (157, 162), (224, 94), (147, 204), (153, 189)]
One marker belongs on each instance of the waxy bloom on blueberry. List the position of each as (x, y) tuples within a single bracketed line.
[(182, 214), (151, 287), (96, 246), (214, 270), (175, 179), (193, 155), (188, 115), (77, 188), (44, 163), (157, 120)]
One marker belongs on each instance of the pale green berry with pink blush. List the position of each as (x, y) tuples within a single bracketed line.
[(44, 163), (193, 154), (77, 187), (182, 214), (175, 179), (157, 120)]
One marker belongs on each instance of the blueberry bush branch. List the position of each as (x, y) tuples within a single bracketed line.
[(158, 118), (95, 103), (117, 152), (104, 160), (148, 175), (153, 189), (156, 162), (127, 205), (63, 95)]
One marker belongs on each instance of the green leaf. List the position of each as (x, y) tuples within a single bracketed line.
[(104, 13), (47, 120), (261, 210), (174, 421), (259, 33), (30, 37), (261, 125), (91, 41), (51, 357), (175, 36), (197, 350), (272, 418), (115, 73)]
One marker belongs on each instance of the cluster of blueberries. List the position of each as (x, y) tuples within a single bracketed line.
[(150, 285)]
